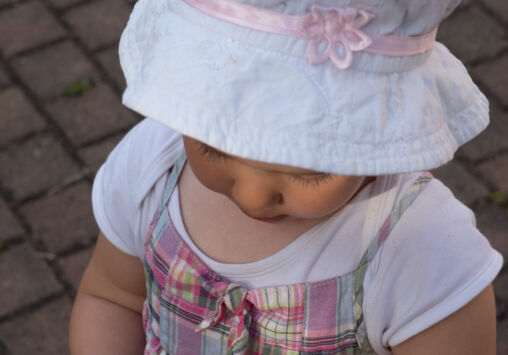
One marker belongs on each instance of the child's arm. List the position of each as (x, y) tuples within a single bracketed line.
[(106, 318), (469, 331)]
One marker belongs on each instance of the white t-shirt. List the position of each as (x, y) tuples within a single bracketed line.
[(433, 262)]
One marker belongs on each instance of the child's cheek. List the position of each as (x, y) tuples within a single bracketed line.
[(212, 176), (316, 207), (325, 200)]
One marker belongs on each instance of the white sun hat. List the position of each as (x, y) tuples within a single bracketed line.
[(351, 87)]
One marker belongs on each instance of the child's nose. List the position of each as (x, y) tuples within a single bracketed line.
[(255, 194)]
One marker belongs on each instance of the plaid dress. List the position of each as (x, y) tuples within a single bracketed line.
[(192, 310)]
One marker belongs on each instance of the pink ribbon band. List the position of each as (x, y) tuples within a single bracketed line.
[(333, 34)]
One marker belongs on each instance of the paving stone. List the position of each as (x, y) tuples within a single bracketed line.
[(500, 7), (60, 4), (502, 338), (34, 165), (6, 2), (50, 71), (501, 287), (496, 172), (99, 23), (492, 139), (472, 34), (493, 76), (10, 227), (501, 304), (74, 266), (63, 220), (18, 115), (24, 278), (26, 26), (96, 113), (111, 63), (465, 3), (492, 221), (10, 2), (96, 154), (4, 79), (462, 183), (42, 332)]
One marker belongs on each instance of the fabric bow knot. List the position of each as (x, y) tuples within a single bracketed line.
[(338, 27), (234, 303)]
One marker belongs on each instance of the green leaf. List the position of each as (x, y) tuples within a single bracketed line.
[(77, 87), (500, 197), (4, 144)]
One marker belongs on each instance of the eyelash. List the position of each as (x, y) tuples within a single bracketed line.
[(312, 181), (213, 155)]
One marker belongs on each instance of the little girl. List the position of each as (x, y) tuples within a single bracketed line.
[(275, 200)]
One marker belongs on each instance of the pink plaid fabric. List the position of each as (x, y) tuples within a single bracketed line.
[(192, 310)]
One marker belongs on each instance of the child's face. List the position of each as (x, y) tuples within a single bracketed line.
[(270, 192)]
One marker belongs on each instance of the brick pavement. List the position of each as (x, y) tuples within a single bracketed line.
[(60, 86)]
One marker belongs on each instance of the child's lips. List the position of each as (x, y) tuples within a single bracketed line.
[(271, 219)]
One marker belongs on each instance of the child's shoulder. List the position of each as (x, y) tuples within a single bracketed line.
[(434, 203), (122, 197), (143, 155), (415, 201), (435, 209), (433, 262), (437, 226), (147, 143)]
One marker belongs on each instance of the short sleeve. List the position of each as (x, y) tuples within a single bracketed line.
[(128, 186), (433, 263)]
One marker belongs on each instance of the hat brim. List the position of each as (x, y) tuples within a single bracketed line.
[(272, 106)]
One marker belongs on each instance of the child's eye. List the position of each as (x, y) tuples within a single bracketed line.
[(211, 154), (312, 180)]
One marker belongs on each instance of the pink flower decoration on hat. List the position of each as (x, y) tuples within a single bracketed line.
[(338, 27)]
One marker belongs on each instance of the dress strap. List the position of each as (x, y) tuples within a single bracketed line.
[(397, 211), (172, 181)]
